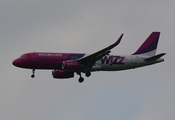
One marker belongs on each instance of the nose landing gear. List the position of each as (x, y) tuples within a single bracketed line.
[(33, 73)]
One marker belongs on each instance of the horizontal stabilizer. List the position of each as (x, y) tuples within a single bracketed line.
[(155, 57)]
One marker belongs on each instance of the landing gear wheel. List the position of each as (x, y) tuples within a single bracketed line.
[(88, 74), (33, 73), (32, 76), (81, 79)]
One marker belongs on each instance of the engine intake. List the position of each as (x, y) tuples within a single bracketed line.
[(62, 74)]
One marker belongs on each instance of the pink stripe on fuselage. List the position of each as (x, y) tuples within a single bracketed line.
[(47, 60)]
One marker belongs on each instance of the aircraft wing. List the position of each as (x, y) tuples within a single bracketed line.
[(89, 60)]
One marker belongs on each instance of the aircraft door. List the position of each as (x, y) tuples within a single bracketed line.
[(134, 60), (34, 56)]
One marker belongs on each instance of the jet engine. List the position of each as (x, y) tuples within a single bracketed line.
[(62, 74), (71, 65)]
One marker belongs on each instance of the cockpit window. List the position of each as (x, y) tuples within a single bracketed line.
[(23, 56)]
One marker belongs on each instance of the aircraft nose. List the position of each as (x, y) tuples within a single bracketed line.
[(16, 62)]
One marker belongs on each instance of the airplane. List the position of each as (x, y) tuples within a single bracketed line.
[(65, 65)]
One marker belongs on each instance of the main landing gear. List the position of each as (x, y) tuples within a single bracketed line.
[(33, 73), (88, 74), (81, 79)]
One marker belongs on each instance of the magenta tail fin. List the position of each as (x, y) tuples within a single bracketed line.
[(149, 46)]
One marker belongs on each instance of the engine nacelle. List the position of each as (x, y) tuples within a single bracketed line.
[(62, 74), (71, 65)]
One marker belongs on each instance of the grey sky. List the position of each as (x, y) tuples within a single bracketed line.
[(85, 26)]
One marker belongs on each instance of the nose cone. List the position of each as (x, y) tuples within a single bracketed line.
[(16, 63)]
